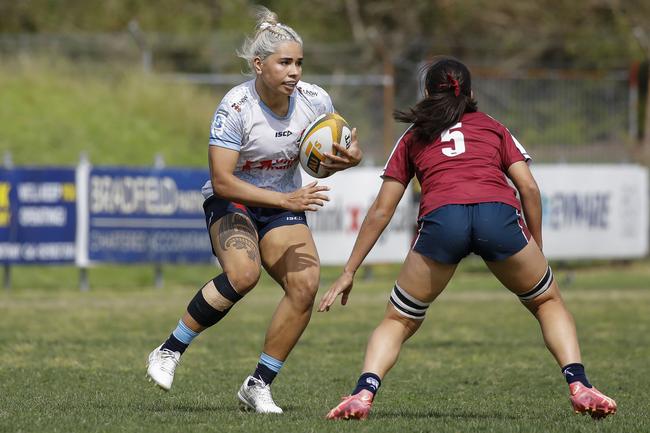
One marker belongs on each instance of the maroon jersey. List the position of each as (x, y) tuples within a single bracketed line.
[(465, 165)]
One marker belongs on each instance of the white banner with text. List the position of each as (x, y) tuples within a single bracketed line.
[(589, 212), (594, 211), (336, 225)]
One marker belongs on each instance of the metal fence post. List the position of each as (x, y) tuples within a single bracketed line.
[(81, 254), (140, 40)]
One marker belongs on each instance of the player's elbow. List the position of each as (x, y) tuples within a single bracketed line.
[(529, 189), (221, 186), (381, 214)]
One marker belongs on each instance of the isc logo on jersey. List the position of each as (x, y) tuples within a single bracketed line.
[(317, 140)]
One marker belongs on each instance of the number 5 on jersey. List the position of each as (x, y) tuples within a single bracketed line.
[(456, 137)]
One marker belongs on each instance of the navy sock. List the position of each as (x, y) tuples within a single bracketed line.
[(264, 373), (180, 338), (575, 373), (368, 381), (174, 344)]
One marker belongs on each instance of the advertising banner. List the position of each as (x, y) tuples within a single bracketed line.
[(146, 215), (37, 215), (589, 212), (594, 211), (336, 225), (131, 215)]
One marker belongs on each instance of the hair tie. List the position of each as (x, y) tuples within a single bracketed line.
[(265, 25), (454, 84)]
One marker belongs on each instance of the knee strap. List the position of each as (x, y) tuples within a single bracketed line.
[(542, 286), (222, 283), (407, 305), (204, 313)]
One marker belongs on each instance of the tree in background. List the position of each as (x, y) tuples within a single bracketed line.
[(378, 37), (585, 33)]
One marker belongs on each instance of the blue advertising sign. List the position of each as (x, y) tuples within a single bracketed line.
[(147, 215), (37, 215)]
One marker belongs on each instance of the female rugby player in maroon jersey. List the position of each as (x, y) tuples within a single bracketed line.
[(461, 157)]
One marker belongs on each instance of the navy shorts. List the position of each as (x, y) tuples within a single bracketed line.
[(264, 218), (494, 231)]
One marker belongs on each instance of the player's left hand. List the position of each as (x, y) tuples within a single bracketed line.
[(345, 158), (343, 285)]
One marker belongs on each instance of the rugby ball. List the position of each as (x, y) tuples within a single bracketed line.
[(317, 140)]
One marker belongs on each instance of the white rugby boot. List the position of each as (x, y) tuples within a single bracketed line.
[(257, 397), (161, 366)]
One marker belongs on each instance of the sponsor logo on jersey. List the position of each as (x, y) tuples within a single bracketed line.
[(307, 92), (269, 164), (218, 125), (237, 105), (283, 133)]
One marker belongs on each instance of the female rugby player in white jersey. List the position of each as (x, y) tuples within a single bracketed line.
[(255, 207)]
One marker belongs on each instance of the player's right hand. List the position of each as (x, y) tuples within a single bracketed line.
[(345, 157), (343, 285), (309, 197)]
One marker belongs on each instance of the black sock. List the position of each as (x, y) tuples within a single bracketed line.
[(263, 373), (368, 381), (174, 344), (575, 373)]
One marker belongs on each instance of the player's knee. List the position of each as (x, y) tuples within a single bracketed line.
[(409, 324), (407, 306), (243, 280), (207, 308), (301, 290), (539, 289)]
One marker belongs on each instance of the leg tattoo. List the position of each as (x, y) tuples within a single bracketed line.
[(237, 231)]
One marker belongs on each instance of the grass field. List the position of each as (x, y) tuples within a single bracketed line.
[(52, 111), (75, 362)]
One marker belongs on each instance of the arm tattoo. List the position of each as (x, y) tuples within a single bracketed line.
[(237, 231)]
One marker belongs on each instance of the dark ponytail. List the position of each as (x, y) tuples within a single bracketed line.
[(448, 87)]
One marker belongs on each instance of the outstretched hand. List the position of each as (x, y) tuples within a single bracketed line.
[(343, 285), (344, 158), (309, 197)]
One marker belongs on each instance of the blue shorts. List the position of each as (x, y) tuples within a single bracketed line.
[(494, 231), (264, 218)]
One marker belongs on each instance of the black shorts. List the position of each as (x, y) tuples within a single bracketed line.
[(494, 231), (264, 218)]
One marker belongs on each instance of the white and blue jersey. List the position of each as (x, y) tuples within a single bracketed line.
[(268, 144)]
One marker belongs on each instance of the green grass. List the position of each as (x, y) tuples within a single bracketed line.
[(472, 274), (74, 362), (51, 111)]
